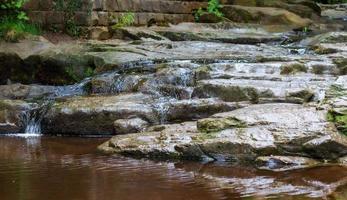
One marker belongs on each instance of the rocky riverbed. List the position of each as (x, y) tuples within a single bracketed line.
[(252, 94)]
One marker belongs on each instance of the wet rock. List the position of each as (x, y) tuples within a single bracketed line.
[(284, 163), (184, 110), (133, 125), (337, 104), (102, 84), (241, 135), (330, 146), (19, 91), (293, 68), (152, 144), (236, 90), (12, 115), (95, 114)]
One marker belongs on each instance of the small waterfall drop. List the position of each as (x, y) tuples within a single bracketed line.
[(33, 118)]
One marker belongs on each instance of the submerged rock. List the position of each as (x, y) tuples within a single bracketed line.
[(284, 163)]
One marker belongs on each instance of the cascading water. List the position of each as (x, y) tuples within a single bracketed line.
[(33, 118)]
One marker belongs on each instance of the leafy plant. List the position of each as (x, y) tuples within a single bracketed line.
[(12, 30), (14, 25), (69, 7), (14, 8), (213, 7), (126, 19)]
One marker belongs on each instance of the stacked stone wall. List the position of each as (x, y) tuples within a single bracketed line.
[(105, 12)]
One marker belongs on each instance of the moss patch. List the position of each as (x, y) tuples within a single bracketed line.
[(293, 68), (322, 50), (340, 121), (210, 125)]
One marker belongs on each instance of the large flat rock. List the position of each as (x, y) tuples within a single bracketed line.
[(241, 135)]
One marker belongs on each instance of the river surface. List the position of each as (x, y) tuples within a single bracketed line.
[(69, 168)]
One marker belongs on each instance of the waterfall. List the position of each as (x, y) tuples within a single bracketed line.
[(33, 118)]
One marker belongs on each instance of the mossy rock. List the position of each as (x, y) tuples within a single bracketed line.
[(202, 72), (323, 50), (339, 119), (341, 64), (210, 125), (293, 69)]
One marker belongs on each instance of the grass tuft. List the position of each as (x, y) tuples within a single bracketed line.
[(12, 30)]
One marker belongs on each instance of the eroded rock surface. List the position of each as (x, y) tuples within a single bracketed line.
[(241, 135)]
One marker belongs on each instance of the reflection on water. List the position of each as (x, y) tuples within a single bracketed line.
[(55, 168)]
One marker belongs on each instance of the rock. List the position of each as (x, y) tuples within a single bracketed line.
[(264, 15), (100, 33), (191, 109), (12, 115), (236, 90), (302, 8), (152, 144), (95, 114), (19, 91), (209, 18), (284, 163), (241, 135), (36, 60), (133, 125), (226, 32)]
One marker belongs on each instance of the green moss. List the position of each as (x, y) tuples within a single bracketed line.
[(261, 59), (293, 68), (210, 125), (322, 50), (202, 72), (305, 95), (340, 120)]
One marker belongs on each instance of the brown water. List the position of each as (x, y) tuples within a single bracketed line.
[(56, 168)]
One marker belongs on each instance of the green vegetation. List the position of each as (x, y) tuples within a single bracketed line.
[(70, 7), (210, 125), (213, 8), (124, 20), (14, 25), (340, 121), (12, 30)]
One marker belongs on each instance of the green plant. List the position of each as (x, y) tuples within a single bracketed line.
[(14, 25), (14, 9), (213, 7), (126, 19), (70, 7)]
